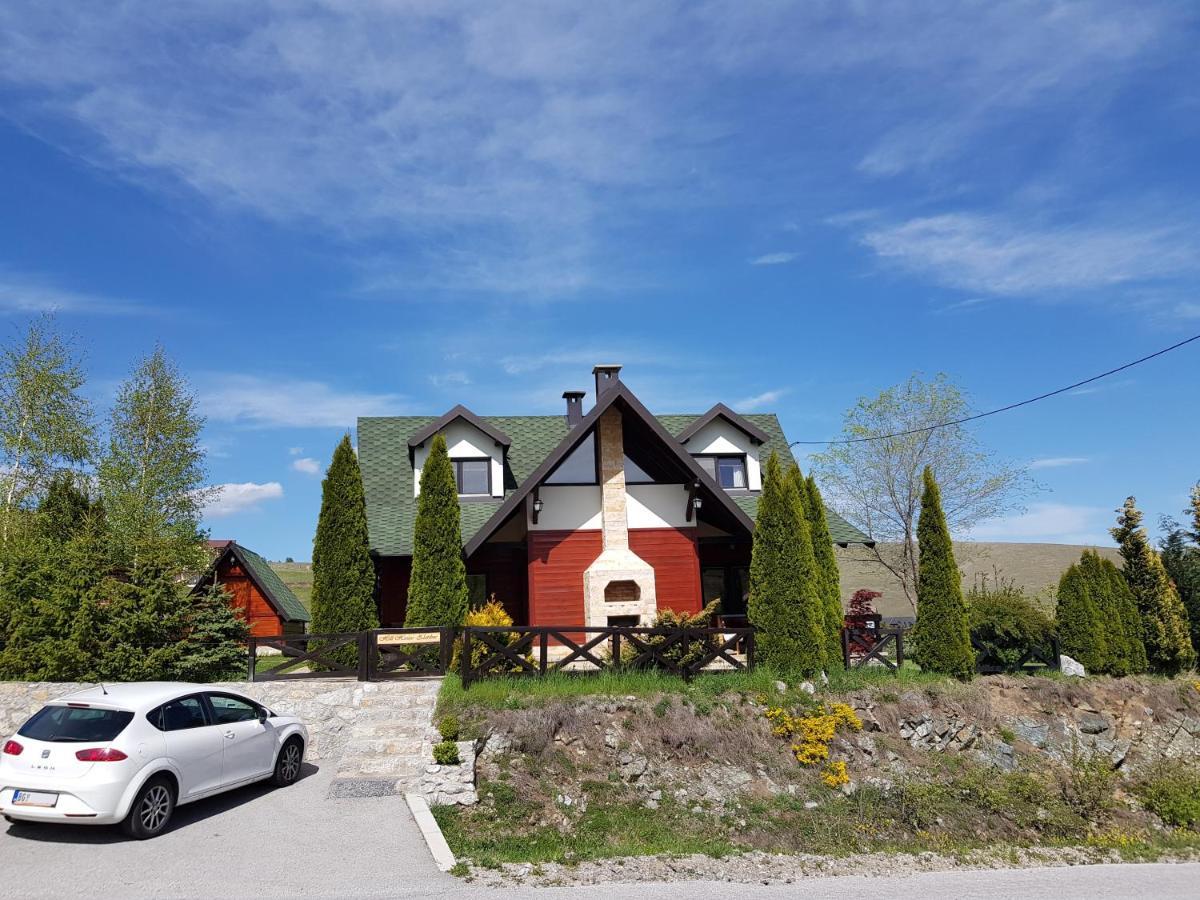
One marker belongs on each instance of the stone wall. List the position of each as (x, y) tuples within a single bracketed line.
[(329, 707)]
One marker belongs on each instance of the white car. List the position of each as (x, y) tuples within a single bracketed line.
[(131, 753)]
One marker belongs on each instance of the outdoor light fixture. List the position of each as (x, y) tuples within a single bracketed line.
[(537, 505), (696, 503)]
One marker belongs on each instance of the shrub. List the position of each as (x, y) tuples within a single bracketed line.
[(1172, 794), (437, 590), (1087, 783), (449, 728), (863, 602), (1004, 621), (685, 652), (490, 615), (446, 753), (1080, 628)]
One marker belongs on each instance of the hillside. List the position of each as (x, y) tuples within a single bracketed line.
[(1035, 567), (298, 577)]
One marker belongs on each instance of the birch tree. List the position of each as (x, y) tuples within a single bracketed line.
[(152, 474), (875, 480), (45, 422)]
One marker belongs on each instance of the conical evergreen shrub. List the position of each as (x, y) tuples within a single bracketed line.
[(343, 594), (437, 591), (828, 578), (941, 634), (1080, 628), (783, 602), (1164, 622)]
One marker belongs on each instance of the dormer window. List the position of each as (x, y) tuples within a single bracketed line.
[(729, 471), (474, 477)]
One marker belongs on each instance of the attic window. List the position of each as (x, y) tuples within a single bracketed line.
[(474, 476), (727, 471)]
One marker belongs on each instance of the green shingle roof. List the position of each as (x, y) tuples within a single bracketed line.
[(268, 581), (388, 474)]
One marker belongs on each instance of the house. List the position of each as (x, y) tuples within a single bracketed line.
[(268, 605), (592, 518)]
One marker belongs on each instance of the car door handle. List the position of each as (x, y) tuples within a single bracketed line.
[(230, 735)]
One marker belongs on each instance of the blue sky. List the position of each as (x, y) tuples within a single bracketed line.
[(327, 209)]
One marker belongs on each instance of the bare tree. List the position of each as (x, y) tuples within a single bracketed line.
[(874, 481)]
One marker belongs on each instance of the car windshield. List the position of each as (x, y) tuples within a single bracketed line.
[(64, 724)]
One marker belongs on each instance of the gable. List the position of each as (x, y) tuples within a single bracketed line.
[(389, 483), (286, 604)]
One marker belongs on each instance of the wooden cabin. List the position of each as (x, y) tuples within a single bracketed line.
[(268, 605)]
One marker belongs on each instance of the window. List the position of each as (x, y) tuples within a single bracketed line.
[(474, 476), (228, 709), (580, 465), (727, 471), (73, 724), (179, 715)]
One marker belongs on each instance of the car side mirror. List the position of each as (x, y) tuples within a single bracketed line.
[(262, 716)]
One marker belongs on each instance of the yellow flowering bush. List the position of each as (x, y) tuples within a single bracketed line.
[(812, 734)]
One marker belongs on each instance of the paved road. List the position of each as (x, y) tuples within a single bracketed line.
[(261, 843)]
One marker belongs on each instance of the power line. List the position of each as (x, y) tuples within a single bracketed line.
[(992, 412)]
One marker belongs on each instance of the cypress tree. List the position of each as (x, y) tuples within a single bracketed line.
[(1080, 632), (942, 634), (343, 594), (1127, 612), (810, 596), (783, 603), (1164, 620), (829, 578), (437, 591)]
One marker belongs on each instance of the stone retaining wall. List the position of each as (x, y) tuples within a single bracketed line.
[(328, 707)]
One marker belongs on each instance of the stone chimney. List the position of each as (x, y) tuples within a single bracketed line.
[(619, 584), (574, 407)]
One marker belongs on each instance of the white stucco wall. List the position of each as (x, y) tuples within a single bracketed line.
[(464, 441), (720, 436), (577, 508)]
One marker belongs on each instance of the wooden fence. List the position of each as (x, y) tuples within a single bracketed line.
[(379, 654), (541, 650), (1036, 658), (871, 646), (390, 653)]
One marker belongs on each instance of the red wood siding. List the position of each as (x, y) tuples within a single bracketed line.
[(249, 600), (504, 566), (393, 573), (557, 560), (671, 552)]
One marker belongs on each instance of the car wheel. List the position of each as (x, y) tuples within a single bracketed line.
[(151, 810), (287, 765)]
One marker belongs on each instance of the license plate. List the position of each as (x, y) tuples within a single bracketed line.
[(34, 798)]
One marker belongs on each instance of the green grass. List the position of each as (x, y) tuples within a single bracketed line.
[(499, 832), (298, 577), (267, 663)]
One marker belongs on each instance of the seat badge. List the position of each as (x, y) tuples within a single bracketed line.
[(45, 754)]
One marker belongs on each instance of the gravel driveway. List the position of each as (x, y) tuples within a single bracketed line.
[(262, 843)]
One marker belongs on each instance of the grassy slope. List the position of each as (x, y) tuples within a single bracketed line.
[(298, 577), (1034, 567)]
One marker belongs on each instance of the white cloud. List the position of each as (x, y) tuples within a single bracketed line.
[(1000, 256), (288, 403), (773, 259), (24, 293), (295, 451), (231, 499), (506, 140), (1056, 523), (758, 401), (1058, 462), (307, 465), (450, 379)]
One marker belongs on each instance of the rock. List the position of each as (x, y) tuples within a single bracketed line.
[(811, 804), (824, 679), (1070, 667), (1032, 732), (808, 687), (1093, 723), (780, 686), (656, 795), (611, 740)]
